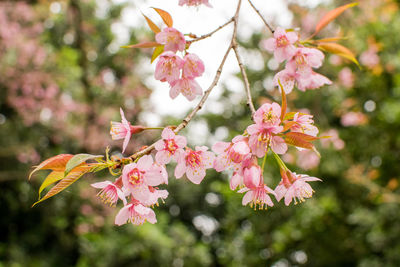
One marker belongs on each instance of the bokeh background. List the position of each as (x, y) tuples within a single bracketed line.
[(63, 78)]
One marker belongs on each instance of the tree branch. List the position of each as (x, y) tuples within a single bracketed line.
[(190, 116), (262, 18), (211, 33)]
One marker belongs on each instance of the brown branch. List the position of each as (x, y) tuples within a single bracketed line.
[(245, 79), (190, 116), (241, 66), (262, 18), (211, 33)]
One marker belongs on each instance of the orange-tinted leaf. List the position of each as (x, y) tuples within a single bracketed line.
[(284, 104), (56, 163), (157, 51), (300, 140), (289, 125), (331, 15), (303, 136), (152, 25), (339, 50), (53, 177), (142, 45), (166, 17), (330, 39), (61, 185)]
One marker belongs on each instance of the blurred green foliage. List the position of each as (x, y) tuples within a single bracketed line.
[(352, 220)]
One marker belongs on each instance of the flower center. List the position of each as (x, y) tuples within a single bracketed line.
[(282, 41), (135, 177), (170, 146), (193, 159), (270, 117)]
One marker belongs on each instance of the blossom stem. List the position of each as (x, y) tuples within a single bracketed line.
[(154, 128), (211, 33), (264, 160), (280, 162)]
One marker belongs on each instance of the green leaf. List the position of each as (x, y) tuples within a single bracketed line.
[(77, 160), (142, 45), (157, 51)]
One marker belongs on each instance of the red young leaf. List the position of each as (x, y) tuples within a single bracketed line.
[(152, 25), (284, 104), (56, 163), (142, 45), (166, 17), (331, 15), (300, 140)]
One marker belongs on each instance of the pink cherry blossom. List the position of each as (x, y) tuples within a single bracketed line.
[(187, 86), (334, 139), (193, 66), (294, 187), (304, 124), (268, 115), (168, 67), (194, 163), (172, 39), (170, 146), (135, 213), (137, 177), (282, 44), (231, 154), (256, 190), (305, 59), (353, 119), (313, 81), (346, 77), (121, 130), (263, 137), (194, 2), (110, 192), (307, 159)]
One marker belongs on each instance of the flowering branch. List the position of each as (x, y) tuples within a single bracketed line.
[(262, 18)]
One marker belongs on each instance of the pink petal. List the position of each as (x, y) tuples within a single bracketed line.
[(126, 141), (159, 145), (220, 147), (247, 198), (167, 133), (101, 185), (195, 175), (123, 215), (180, 170), (163, 157), (269, 44), (278, 145), (145, 162), (180, 141)]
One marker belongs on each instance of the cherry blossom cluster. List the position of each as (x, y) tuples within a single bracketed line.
[(300, 62), (265, 134), (272, 130), (179, 72)]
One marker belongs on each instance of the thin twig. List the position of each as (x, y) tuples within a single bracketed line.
[(241, 66), (211, 33), (262, 18)]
